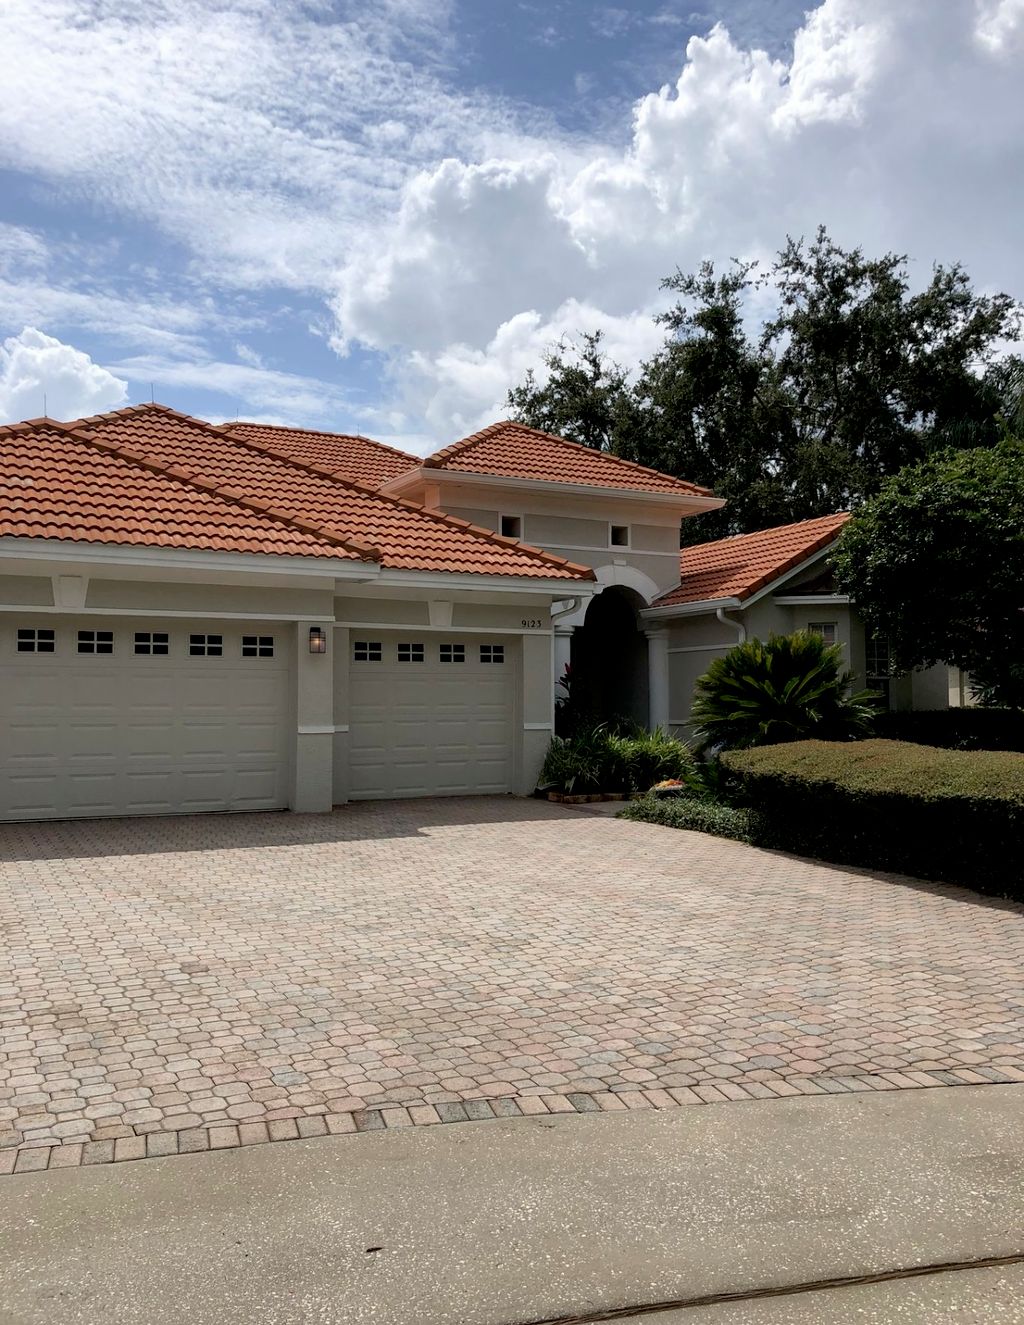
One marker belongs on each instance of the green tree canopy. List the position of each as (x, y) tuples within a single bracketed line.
[(853, 376), (935, 562)]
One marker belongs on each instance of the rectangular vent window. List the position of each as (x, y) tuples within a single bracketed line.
[(257, 646), (36, 641), (206, 646), (453, 653), (150, 642), (367, 651), (410, 653), (95, 641), (492, 653)]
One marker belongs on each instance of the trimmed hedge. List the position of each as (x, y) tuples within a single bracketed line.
[(953, 815), (956, 729), (701, 816)]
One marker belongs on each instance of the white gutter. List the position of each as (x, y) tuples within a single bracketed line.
[(690, 609), (573, 604)]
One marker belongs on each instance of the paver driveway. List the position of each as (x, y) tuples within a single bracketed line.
[(164, 976)]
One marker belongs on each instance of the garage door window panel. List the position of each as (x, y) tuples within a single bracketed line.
[(257, 646), (206, 646), (367, 651), (36, 641), (492, 653), (411, 653), (95, 641), (152, 642), (453, 653)]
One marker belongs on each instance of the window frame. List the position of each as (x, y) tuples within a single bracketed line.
[(373, 651), (511, 515), (206, 649), (157, 644), (495, 655), (27, 639), (417, 652), (456, 650), (821, 627), (258, 646), (102, 648)]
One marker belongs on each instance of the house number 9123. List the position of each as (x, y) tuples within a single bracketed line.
[(532, 622)]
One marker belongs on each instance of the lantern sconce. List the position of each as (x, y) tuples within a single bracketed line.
[(317, 639)]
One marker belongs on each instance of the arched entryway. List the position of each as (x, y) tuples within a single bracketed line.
[(609, 659)]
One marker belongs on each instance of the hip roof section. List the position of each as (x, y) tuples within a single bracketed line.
[(739, 567), (348, 455), (511, 450), (55, 483), (178, 463)]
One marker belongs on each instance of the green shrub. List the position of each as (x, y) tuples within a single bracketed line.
[(954, 815), (599, 760), (700, 816), (785, 688), (956, 729)]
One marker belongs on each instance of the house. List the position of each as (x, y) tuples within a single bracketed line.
[(243, 617)]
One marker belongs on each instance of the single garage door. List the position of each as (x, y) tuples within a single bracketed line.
[(430, 715), (114, 717)]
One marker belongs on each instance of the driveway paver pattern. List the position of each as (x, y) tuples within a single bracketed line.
[(180, 984)]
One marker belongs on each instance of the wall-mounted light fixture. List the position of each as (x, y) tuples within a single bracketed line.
[(317, 639)]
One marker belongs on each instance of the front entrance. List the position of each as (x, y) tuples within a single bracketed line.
[(609, 659)]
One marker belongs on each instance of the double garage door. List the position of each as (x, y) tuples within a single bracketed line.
[(128, 716), (430, 715)]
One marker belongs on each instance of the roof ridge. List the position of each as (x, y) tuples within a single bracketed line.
[(317, 432), (439, 517), (437, 459), (183, 476)]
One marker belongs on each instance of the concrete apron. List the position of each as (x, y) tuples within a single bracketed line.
[(504, 1222)]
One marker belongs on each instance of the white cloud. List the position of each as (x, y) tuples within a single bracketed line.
[(260, 133), (899, 126), (283, 397), (34, 365)]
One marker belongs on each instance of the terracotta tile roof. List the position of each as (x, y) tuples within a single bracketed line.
[(738, 567), (57, 483), (401, 534), (511, 450), (345, 454)]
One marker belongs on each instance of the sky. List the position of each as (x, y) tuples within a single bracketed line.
[(375, 218)]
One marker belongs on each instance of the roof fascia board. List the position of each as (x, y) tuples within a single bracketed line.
[(813, 600), (680, 500), (118, 554), (446, 580)]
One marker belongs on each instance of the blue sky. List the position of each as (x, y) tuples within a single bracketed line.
[(376, 218)]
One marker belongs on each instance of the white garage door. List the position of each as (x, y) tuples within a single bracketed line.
[(115, 717), (430, 715)]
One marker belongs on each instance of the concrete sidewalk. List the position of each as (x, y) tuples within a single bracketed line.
[(500, 1223)]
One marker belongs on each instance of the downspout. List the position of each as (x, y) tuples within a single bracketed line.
[(566, 611), (738, 626)]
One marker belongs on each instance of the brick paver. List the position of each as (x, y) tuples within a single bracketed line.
[(219, 981)]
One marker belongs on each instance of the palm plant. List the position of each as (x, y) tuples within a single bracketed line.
[(785, 688)]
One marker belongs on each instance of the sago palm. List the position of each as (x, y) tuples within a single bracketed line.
[(785, 688)]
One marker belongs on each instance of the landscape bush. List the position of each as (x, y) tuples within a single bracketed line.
[(955, 815), (956, 729), (598, 759), (699, 815)]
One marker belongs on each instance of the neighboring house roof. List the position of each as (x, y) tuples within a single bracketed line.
[(511, 450), (346, 454), (739, 567), (177, 454), (55, 483)]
